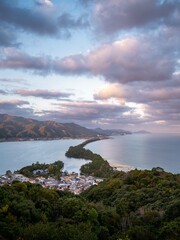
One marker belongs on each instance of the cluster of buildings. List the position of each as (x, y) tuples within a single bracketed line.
[(71, 182)]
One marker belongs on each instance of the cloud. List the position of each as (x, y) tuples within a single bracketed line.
[(46, 94), (11, 104), (13, 58), (2, 92), (38, 22), (27, 19), (117, 15), (86, 113), (110, 91), (67, 21), (127, 60), (46, 3), (16, 107), (122, 61), (157, 103), (13, 83), (7, 36), (167, 111), (145, 93)]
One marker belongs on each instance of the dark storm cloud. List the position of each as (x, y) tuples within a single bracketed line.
[(115, 15), (46, 94)]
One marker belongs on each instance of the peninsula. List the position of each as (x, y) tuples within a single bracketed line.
[(97, 166)]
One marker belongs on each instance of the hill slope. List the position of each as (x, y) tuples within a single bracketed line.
[(14, 128), (111, 132)]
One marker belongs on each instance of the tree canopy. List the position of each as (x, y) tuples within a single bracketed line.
[(140, 204)]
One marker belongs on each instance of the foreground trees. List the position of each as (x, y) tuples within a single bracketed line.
[(128, 206)]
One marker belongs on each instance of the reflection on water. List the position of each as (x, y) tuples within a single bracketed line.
[(142, 151), (15, 155)]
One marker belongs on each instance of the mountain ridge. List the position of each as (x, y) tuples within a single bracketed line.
[(19, 128), (111, 132)]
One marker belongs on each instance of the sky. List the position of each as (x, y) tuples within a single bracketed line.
[(98, 63)]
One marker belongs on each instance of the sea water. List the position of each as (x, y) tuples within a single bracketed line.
[(15, 155), (142, 151)]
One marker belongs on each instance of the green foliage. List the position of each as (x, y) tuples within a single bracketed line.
[(170, 230), (97, 167), (36, 169), (29, 211), (40, 231), (126, 206), (144, 201)]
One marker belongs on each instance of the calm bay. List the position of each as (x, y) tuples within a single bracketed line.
[(142, 151), (15, 155)]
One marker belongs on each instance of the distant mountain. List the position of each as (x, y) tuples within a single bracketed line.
[(141, 132), (111, 132), (19, 128)]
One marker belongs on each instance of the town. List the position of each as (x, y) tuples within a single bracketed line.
[(68, 181)]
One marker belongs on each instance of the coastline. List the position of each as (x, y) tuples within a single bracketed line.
[(89, 140), (122, 167), (94, 139), (117, 167), (39, 139), (80, 152)]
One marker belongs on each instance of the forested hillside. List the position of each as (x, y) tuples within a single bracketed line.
[(138, 205), (15, 128)]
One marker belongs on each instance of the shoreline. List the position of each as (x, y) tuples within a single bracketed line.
[(118, 167), (94, 139), (122, 167), (40, 139), (52, 139), (76, 152)]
